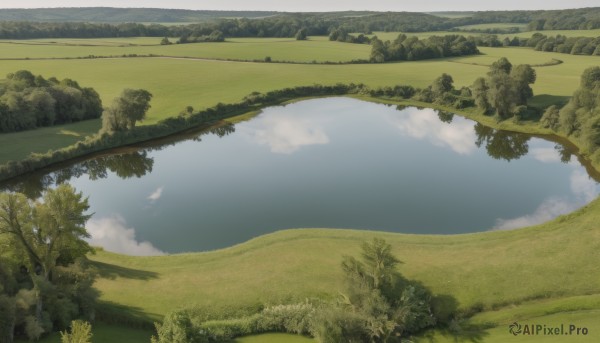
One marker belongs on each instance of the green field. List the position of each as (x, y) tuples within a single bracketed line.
[(568, 33), (318, 49), (520, 26)]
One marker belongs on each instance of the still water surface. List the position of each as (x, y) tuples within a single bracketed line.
[(334, 163)]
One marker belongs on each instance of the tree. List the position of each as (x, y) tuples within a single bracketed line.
[(523, 75), (301, 34), (378, 302), (479, 91), (81, 332), (44, 231), (500, 66), (127, 109), (502, 95), (442, 84)]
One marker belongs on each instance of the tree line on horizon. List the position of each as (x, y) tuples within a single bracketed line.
[(288, 24)]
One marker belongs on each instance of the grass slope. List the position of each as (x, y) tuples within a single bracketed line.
[(484, 270)]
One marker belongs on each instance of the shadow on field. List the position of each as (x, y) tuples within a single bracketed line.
[(111, 271), (109, 312), (542, 101)]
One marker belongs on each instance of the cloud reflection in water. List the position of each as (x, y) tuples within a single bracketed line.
[(112, 234), (425, 124)]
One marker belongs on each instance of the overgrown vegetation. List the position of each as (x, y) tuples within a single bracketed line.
[(44, 278), (28, 101), (411, 48), (579, 119), (378, 305)]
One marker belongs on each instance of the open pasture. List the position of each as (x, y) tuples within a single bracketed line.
[(318, 49)]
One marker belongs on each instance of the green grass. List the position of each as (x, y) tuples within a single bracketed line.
[(568, 33), (103, 333), (19, 145), (520, 26), (318, 49), (274, 338)]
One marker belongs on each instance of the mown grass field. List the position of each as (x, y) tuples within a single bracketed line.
[(177, 83), (521, 26), (318, 49)]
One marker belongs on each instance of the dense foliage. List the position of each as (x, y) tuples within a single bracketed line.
[(127, 109), (44, 280), (506, 89), (28, 101), (17, 24), (379, 305), (565, 45), (579, 119), (412, 48)]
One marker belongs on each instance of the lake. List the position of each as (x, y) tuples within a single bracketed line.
[(321, 163)]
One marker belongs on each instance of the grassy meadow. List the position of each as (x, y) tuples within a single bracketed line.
[(318, 49), (520, 26)]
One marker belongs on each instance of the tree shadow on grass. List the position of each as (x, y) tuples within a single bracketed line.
[(542, 101), (111, 272), (109, 312)]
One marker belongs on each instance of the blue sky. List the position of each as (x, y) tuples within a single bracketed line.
[(314, 5)]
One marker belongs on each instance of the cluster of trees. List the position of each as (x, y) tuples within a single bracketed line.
[(44, 279), (340, 35), (579, 119), (574, 19), (412, 48), (28, 101), (565, 45), (378, 305), (215, 36), (29, 30), (286, 24), (126, 110), (506, 89)]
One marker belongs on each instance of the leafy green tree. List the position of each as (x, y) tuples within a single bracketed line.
[(81, 332), (43, 231), (501, 66), (301, 34), (479, 91), (523, 75), (442, 84), (127, 109), (502, 94)]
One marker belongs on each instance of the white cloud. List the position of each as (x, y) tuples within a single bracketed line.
[(286, 133), (156, 194), (583, 186), (548, 210), (425, 124), (584, 190), (546, 155), (112, 234)]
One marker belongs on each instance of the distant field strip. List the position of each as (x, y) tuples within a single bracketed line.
[(315, 49)]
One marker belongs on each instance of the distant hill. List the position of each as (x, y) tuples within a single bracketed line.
[(123, 15)]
